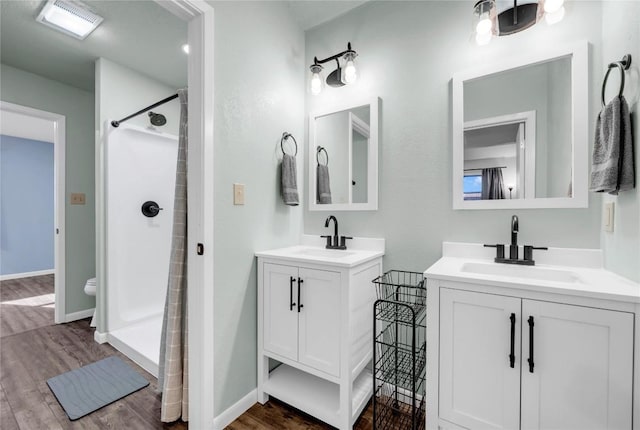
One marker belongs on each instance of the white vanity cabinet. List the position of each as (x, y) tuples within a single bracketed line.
[(572, 365), (550, 347), (315, 330), (301, 318)]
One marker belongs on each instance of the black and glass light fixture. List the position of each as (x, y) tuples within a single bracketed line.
[(342, 75), (504, 17)]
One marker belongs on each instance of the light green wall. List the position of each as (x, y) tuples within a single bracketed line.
[(259, 94), (621, 35), (28, 89), (407, 54)]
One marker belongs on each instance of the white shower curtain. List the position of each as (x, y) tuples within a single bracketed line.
[(173, 374)]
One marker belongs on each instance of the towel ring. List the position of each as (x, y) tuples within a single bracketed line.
[(622, 65), (326, 154), (286, 136)]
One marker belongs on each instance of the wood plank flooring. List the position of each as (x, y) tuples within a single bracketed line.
[(34, 349)]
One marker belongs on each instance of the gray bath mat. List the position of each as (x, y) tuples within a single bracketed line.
[(89, 388)]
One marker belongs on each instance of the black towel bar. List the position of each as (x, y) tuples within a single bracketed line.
[(286, 136), (622, 65)]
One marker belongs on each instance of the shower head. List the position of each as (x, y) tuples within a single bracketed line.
[(157, 119)]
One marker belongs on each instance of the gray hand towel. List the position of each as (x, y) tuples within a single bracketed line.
[(289, 181), (613, 161), (323, 188)]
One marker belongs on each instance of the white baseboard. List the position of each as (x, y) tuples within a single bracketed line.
[(27, 274), (79, 315), (237, 409), (100, 337)]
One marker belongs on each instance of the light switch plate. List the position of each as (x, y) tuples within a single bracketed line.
[(78, 198), (238, 194), (607, 217)]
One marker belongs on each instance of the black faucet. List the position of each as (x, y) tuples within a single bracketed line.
[(513, 248), (337, 242)]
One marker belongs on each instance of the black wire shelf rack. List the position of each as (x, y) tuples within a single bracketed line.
[(399, 351)]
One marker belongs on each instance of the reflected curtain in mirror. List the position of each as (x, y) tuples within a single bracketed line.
[(492, 184)]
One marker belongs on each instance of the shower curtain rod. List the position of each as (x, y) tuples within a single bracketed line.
[(480, 168), (148, 108)]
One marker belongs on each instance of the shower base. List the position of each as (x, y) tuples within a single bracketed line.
[(140, 342)]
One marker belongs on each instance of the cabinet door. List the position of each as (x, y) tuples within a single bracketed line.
[(479, 388), (582, 371), (280, 323), (319, 320)]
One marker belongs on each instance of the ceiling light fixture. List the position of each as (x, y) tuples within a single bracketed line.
[(339, 77), (70, 17), (503, 17)]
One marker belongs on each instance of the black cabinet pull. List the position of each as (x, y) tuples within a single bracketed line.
[(300, 305), (530, 360), (512, 355), (291, 302)]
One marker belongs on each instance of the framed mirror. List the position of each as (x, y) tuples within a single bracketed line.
[(520, 132), (343, 157)]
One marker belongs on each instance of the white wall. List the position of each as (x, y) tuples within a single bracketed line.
[(120, 92), (28, 89), (259, 94), (407, 54), (621, 35)]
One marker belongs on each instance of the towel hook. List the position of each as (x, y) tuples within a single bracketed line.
[(326, 154), (622, 65), (286, 136)]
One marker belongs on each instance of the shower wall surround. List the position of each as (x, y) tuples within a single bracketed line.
[(28, 89), (121, 91), (409, 65)]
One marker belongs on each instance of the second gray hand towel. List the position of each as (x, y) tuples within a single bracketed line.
[(613, 164)]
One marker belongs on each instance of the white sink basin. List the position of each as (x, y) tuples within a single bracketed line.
[(325, 253), (527, 272)]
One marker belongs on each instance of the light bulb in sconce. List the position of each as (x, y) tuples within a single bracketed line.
[(349, 71), (551, 6), (485, 25), (315, 84)]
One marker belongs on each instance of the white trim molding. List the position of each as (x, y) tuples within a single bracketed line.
[(26, 274), (59, 175), (236, 410)]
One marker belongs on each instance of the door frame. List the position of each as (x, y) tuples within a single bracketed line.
[(59, 144), (200, 17)]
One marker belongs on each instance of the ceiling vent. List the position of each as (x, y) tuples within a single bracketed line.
[(70, 17)]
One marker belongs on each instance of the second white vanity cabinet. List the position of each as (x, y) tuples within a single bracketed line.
[(508, 363), (315, 328), (550, 347)]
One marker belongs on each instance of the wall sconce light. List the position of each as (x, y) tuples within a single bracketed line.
[(339, 77), (499, 18)]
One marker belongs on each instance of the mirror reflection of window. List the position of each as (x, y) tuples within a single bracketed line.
[(498, 104)]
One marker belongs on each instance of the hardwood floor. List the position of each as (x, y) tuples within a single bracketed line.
[(34, 349)]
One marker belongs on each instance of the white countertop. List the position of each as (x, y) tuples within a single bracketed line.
[(569, 271), (312, 250)]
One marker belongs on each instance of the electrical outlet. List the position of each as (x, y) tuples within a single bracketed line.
[(77, 198), (607, 217), (238, 194)]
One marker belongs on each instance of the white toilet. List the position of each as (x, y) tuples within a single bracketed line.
[(90, 290)]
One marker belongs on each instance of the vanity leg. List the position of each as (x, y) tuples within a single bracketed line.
[(345, 406), (263, 376)]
